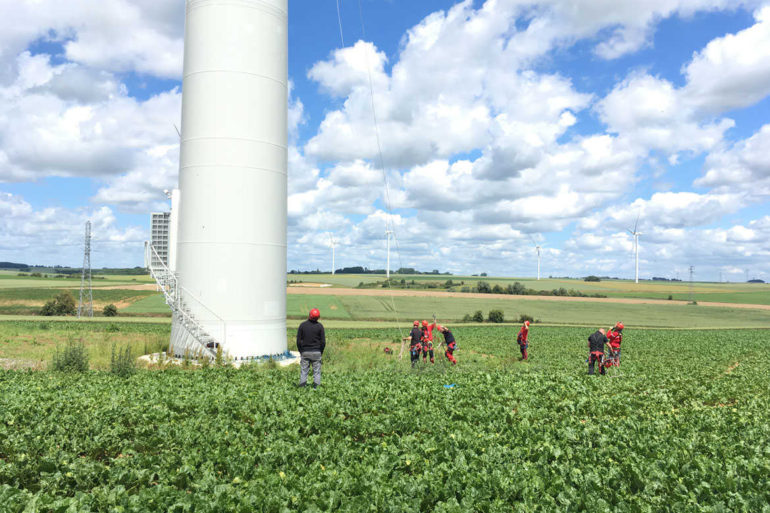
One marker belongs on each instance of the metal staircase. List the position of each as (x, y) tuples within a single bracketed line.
[(186, 330)]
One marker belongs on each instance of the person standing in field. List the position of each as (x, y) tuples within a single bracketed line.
[(596, 351), (414, 337), (615, 337), (523, 340), (451, 344), (427, 341), (311, 342)]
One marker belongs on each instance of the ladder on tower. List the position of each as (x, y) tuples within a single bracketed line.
[(168, 283)]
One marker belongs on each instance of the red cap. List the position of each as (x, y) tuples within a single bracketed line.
[(425, 323), (619, 325), (526, 323), (314, 314), (416, 323)]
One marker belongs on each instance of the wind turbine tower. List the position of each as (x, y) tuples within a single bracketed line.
[(388, 233), (636, 235), (333, 244), (538, 247)]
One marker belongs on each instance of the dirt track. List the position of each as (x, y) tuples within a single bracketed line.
[(433, 293)]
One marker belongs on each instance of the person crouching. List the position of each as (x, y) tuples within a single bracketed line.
[(311, 342), (451, 344), (596, 350)]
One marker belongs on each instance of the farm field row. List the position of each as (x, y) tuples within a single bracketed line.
[(749, 293), (453, 309), (10, 279), (683, 427)]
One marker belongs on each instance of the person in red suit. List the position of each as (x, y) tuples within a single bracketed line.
[(427, 341), (615, 337), (523, 340)]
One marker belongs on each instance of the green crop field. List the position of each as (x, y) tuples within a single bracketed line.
[(10, 279), (750, 293), (683, 427), (548, 311)]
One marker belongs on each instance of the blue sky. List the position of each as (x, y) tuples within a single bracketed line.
[(501, 122)]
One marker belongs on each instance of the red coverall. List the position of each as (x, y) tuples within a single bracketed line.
[(523, 342), (427, 342), (451, 345), (615, 338)]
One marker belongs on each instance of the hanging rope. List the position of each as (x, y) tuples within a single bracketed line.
[(339, 21), (389, 227)]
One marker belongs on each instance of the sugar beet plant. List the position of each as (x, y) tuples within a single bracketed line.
[(684, 427)]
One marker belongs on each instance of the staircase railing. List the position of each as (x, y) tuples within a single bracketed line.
[(168, 283)]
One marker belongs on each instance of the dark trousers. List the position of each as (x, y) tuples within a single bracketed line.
[(414, 353), (427, 349), (596, 358)]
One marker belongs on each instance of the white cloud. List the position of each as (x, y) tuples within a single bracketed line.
[(655, 115), (54, 235), (744, 167), (112, 35), (731, 71)]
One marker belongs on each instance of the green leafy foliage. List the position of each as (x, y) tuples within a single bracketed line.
[(110, 310), (73, 357), (684, 427), (122, 362)]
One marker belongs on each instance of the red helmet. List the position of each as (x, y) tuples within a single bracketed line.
[(619, 325), (425, 323), (416, 323), (314, 314), (526, 323)]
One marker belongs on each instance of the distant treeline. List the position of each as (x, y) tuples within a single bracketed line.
[(658, 278), (59, 269), (480, 287), (366, 270)]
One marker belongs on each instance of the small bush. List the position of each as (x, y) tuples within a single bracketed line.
[(110, 310), (496, 316), (62, 304), (592, 278), (112, 328), (483, 287), (467, 318), (121, 362), (72, 358), (478, 316), (525, 317), (670, 297)]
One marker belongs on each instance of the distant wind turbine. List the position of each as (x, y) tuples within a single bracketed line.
[(333, 243), (537, 248), (636, 235)]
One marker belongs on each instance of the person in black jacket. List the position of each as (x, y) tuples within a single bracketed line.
[(311, 342), (596, 351), (415, 344)]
